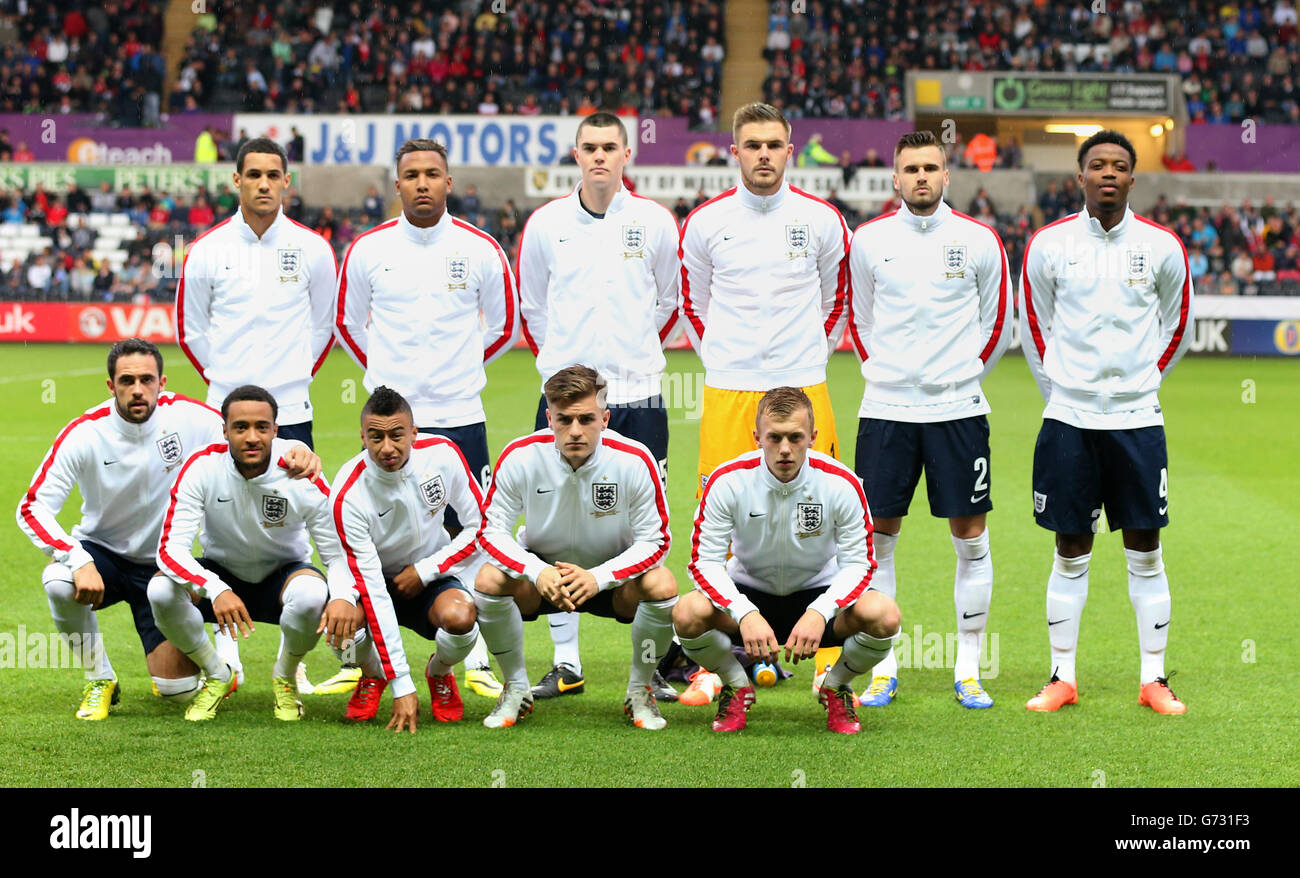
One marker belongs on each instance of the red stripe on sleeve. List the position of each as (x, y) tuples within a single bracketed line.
[(1027, 292), (1002, 290), (696, 323), (481, 537), (30, 497), (180, 301), (842, 278), (1187, 297), (508, 329), (172, 564), (693, 567), (843, 473), (660, 504), (853, 329), (343, 294), (372, 622)]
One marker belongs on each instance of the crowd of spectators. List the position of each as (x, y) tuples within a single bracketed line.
[(848, 59), (534, 56)]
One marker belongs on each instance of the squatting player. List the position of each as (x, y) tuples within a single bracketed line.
[(410, 297), (600, 257), (402, 568), (929, 319), (122, 455), (253, 522), (594, 540), (1107, 306), (799, 531)]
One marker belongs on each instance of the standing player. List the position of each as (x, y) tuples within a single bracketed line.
[(596, 535), (122, 455), (409, 299), (928, 317), (388, 508), (600, 257), (1107, 305), (252, 521), (255, 301), (799, 532)]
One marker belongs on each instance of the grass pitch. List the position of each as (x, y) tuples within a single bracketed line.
[(1233, 485)]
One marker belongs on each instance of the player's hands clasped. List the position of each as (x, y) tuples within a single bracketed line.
[(232, 614), (760, 639), (340, 622), (408, 582), (87, 585), (805, 637), (550, 588), (405, 712), (578, 583)]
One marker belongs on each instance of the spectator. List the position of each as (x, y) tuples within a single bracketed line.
[(205, 148), (39, 274), (201, 214), (373, 204), (23, 154), (814, 154), (1198, 264), (1178, 162)]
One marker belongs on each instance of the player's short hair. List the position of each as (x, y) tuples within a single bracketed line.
[(574, 383), (602, 119), (249, 393), (757, 112), (421, 144), (262, 144), (781, 403), (918, 139), (132, 346), (1108, 136), (385, 402)]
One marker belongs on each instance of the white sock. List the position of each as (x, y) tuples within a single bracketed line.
[(885, 582), (712, 651), (564, 634), (180, 689), (1148, 591), (652, 631), (180, 622), (72, 618), (477, 659), (972, 592), (503, 629), (1067, 592), (304, 600), (860, 653), (366, 657), (227, 648), (452, 650)]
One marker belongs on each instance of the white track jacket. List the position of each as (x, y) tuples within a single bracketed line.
[(600, 292), (812, 531), (1105, 316), (764, 284), (123, 471), (408, 312), (385, 521), (930, 313), (258, 311)]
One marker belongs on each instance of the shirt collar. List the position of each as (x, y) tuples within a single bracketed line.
[(272, 231), (130, 429), (772, 483), (432, 235), (596, 456), (925, 223), (1095, 229), (617, 204), (762, 203)]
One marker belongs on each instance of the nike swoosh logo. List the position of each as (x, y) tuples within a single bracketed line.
[(562, 240), (1057, 622), (386, 268), (1163, 509), (1073, 262), (973, 615), (1165, 625), (890, 258), (756, 514), (727, 237), (385, 512), (975, 499), (547, 491), (109, 462), (565, 687), (223, 499)]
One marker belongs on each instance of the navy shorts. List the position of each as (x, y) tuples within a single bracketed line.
[(783, 611), (645, 420), (955, 455), (471, 439), (413, 613), (1078, 472), (602, 604), (301, 432), (261, 599), (127, 581)]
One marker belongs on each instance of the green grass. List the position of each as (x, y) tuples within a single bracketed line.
[(1229, 554)]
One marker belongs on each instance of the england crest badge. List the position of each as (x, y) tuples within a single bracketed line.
[(433, 492), (808, 518), (1139, 264), (798, 236), (274, 508), (169, 447), (289, 260), (604, 496), (633, 241), (954, 260), (457, 272)]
